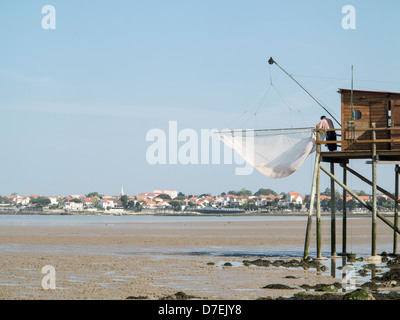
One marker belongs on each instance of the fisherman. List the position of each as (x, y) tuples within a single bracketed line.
[(326, 124)]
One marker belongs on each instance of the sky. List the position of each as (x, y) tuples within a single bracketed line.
[(78, 101)]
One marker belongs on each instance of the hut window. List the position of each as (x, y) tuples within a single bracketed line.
[(357, 115)]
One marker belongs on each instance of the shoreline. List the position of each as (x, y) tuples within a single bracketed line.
[(338, 214)]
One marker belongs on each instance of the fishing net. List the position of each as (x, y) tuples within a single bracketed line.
[(276, 153)]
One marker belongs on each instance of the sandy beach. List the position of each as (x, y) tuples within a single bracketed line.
[(150, 260)]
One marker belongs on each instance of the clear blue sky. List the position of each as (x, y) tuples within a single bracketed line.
[(76, 102)]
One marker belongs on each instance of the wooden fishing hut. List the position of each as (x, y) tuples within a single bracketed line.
[(370, 129)]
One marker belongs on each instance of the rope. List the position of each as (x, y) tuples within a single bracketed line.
[(287, 104), (261, 96), (297, 130), (270, 74), (258, 103), (271, 61), (351, 222)]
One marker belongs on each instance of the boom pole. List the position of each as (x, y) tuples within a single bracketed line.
[(272, 61)]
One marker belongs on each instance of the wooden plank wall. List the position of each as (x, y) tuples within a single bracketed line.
[(374, 108)]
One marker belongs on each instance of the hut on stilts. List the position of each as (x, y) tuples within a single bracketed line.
[(370, 130)]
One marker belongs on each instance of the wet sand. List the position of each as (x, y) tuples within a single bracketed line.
[(116, 260)]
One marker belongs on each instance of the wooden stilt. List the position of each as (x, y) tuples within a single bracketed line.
[(373, 229), (344, 224), (311, 211), (333, 268), (333, 213), (318, 205), (318, 219), (396, 207), (312, 197)]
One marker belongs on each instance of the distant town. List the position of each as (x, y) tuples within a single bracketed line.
[(167, 200)]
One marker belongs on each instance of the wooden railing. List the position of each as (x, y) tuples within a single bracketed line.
[(356, 140)]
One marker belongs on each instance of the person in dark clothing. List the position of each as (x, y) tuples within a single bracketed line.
[(330, 135)]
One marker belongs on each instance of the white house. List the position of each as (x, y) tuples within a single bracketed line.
[(53, 200), (20, 200), (106, 203), (200, 204), (88, 202), (236, 200), (148, 204), (294, 197), (221, 201), (162, 204), (73, 206), (263, 200)]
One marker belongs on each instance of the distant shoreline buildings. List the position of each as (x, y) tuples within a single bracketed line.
[(174, 200)]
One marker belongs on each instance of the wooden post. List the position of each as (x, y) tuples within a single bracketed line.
[(312, 197), (318, 204), (373, 231), (344, 224), (333, 213), (318, 220), (396, 207), (333, 268)]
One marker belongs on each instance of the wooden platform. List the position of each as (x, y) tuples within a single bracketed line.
[(345, 156)]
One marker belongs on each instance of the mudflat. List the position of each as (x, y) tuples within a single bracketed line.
[(151, 260)]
